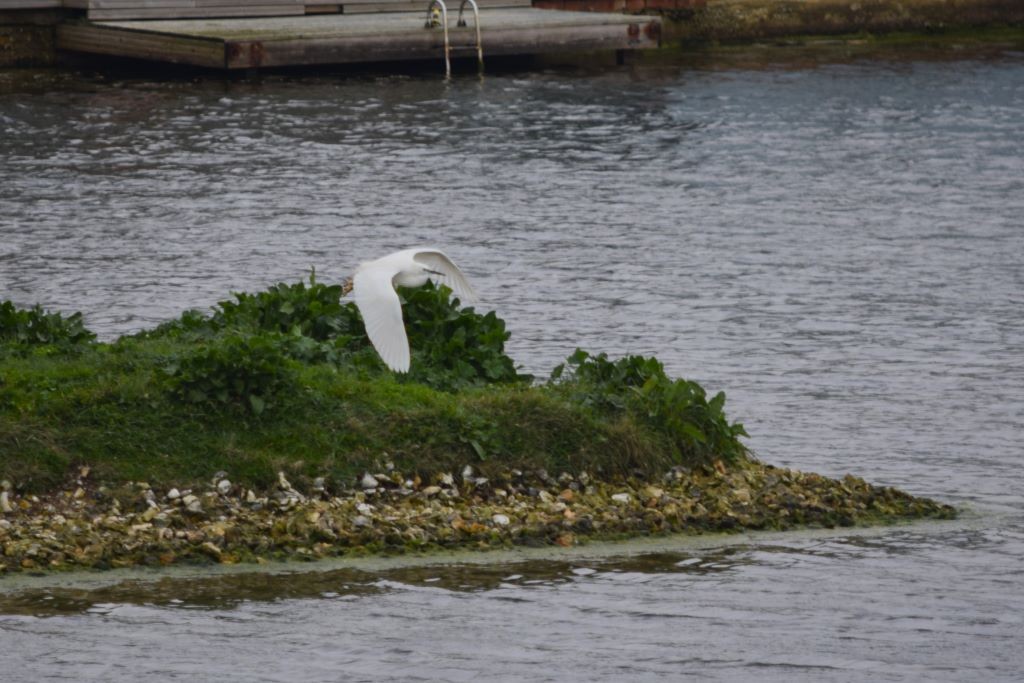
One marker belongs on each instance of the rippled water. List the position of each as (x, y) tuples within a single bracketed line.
[(840, 247)]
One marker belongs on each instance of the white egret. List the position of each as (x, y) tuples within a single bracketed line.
[(373, 288)]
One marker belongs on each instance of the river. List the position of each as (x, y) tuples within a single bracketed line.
[(838, 244)]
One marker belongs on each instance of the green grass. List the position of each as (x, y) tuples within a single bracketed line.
[(57, 413), (175, 405)]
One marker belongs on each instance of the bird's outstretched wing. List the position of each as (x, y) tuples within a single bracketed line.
[(436, 260), (378, 303)]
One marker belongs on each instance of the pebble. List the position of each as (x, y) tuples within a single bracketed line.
[(211, 550), (5, 503), (223, 487), (360, 521), (285, 501), (173, 494), (501, 520), (621, 498), (431, 490), (368, 481)]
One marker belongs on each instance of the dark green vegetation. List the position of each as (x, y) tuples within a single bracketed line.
[(286, 380), (679, 409), (20, 330)]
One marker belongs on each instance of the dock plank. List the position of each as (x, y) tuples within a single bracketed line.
[(247, 3), (35, 4), (149, 4), (177, 49), (362, 7), (275, 10), (451, 4), (138, 4), (386, 24)]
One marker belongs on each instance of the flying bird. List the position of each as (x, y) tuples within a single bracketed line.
[(373, 288)]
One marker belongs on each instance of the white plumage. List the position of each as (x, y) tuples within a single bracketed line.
[(373, 288)]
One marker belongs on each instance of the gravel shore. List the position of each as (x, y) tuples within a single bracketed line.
[(89, 525)]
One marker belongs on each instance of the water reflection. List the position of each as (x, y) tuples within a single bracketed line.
[(213, 590), (228, 591)]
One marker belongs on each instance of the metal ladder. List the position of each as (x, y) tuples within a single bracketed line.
[(431, 23)]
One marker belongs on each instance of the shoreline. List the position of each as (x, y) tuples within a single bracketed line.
[(698, 22), (28, 36), (33, 592), (89, 526)]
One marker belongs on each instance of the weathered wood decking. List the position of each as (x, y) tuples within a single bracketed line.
[(247, 43), (107, 10)]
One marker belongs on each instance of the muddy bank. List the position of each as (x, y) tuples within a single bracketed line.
[(749, 20), (27, 37), (702, 21), (92, 526)]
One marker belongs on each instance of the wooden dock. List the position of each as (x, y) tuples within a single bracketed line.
[(352, 36)]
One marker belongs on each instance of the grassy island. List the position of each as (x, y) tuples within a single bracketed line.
[(267, 427)]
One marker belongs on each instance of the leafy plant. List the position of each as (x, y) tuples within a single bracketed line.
[(36, 327), (679, 408), (234, 370), (453, 347), (191, 323), (313, 311)]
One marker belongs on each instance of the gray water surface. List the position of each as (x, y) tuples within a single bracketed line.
[(839, 247)]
